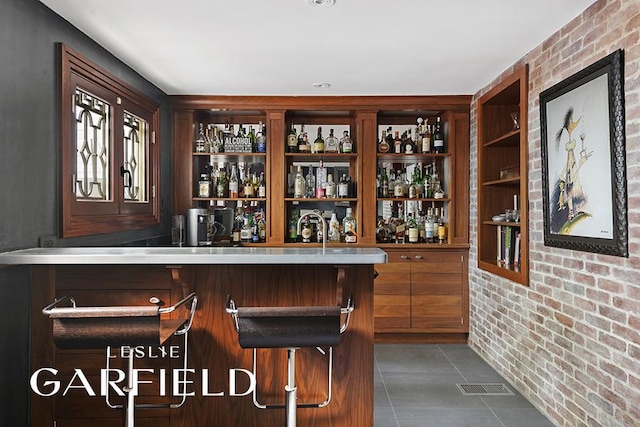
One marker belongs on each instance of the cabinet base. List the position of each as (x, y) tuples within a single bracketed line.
[(420, 338)]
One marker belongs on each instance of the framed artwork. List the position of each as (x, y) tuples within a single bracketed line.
[(584, 180)]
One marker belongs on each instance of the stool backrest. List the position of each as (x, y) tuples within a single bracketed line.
[(287, 327)]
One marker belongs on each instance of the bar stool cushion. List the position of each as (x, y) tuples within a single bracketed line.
[(289, 327), (99, 327)]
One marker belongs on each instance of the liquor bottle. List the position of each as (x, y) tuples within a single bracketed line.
[(400, 227), (293, 226), (408, 143), (233, 182), (201, 139), (307, 230), (436, 185), (398, 187), (238, 222), (438, 138), (310, 184), (252, 139), (262, 226), (246, 234), (418, 181), (349, 227), (383, 145), (426, 137), (204, 185), (222, 187), (422, 238), (428, 226), (261, 138), (413, 190), (397, 144), (442, 229), (330, 187), (321, 181), (303, 141), (291, 179), (249, 188), (255, 232), (343, 187), (318, 144), (436, 216), (298, 188), (292, 140), (331, 144), (384, 184), (334, 229), (216, 143), (346, 143), (412, 225), (262, 186)]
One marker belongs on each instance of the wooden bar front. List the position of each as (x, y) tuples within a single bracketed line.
[(213, 343)]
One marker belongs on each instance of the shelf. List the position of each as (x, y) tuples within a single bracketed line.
[(411, 157), (508, 224), (321, 155), (503, 153), (407, 199), (510, 139), (230, 199), (506, 181), (253, 157), (313, 199)]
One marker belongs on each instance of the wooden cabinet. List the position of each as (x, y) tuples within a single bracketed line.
[(502, 178), (422, 291), (418, 295)]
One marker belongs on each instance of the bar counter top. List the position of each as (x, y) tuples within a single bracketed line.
[(193, 256)]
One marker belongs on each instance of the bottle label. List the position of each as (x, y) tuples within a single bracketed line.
[(398, 191), (306, 234), (429, 231), (261, 145), (262, 191), (413, 235), (233, 188), (204, 189), (343, 190), (292, 140), (299, 189), (425, 145), (438, 143), (347, 147), (236, 236), (442, 233), (245, 234)]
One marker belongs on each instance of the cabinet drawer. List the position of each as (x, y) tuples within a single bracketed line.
[(436, 262)]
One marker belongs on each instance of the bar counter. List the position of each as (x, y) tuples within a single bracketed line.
[(193, 255), (253, 276)]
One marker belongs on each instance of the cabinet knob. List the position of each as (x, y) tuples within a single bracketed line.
[(418, 257), (404, 257)]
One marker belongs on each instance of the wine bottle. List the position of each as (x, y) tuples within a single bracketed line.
[(318, 144), (292, 140), (438, 138), (331, 144), (261, 138)]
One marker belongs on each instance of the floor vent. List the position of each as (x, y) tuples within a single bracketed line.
[(484, 389)]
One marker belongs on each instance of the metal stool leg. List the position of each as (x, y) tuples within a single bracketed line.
[(130, 405), (291, 389)]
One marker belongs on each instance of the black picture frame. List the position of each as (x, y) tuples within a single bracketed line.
[(584, 183)]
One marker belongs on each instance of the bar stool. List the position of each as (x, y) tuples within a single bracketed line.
[(102, 327), (290, 328)]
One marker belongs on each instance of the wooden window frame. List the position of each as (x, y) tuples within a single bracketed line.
[(90, 218)]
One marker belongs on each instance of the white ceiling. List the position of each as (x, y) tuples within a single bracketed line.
[(282, 47)]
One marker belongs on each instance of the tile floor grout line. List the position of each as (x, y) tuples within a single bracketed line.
[(467, 381), (384, 384)]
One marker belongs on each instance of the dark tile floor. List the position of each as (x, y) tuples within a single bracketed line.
[(415, 385)]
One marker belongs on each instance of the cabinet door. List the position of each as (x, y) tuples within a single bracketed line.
[(438, 290), (392, 293)]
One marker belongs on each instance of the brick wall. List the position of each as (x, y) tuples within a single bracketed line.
[(570, 342)]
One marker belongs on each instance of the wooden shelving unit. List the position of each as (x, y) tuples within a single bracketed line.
[(502, 174)]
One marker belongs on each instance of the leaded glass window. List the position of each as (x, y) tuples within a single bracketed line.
[(136, 135), (93, 129)]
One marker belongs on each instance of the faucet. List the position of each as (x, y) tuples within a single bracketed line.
[(324, 228)]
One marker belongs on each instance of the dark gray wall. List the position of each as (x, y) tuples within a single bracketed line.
[(29, 169)]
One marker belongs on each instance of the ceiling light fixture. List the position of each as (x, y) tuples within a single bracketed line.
[(322, 85), (321, 3)]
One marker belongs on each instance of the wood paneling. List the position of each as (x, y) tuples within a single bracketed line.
[(213, 344)]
